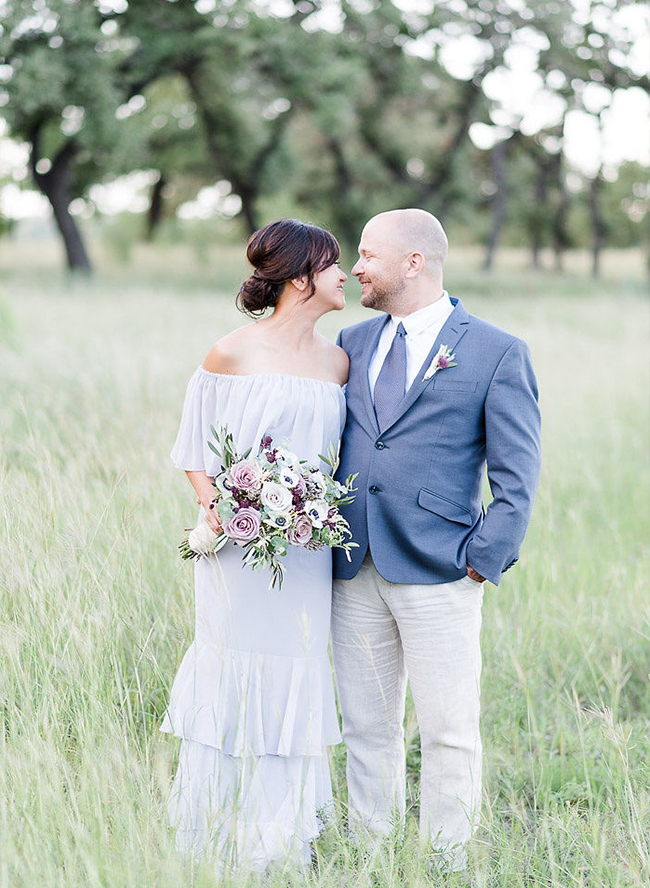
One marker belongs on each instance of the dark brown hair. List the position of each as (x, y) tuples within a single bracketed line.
[(279, 252)]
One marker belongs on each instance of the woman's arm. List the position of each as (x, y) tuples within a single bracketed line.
[(218, 360), (202, 484)]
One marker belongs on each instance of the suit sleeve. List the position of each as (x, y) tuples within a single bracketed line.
[(513, 454)]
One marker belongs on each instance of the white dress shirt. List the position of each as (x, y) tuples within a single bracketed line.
[(422, 328)]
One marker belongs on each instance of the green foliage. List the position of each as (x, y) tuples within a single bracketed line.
[(626, 203), (332, 123), (64, 73)]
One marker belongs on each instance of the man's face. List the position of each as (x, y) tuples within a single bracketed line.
[(380, 268)]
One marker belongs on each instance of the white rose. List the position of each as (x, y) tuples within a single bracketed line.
[(202, 539), (275, 497), (317, 510)]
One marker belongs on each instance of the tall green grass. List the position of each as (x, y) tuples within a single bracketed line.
[(97, 607)]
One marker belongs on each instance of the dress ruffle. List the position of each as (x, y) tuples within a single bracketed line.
[(215, 397), (249, 703), (248, 812)]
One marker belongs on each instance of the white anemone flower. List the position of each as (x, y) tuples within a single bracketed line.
[(317, 510), (288, 478), (281, 520)]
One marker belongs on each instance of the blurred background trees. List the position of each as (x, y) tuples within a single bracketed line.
[(332, 110)]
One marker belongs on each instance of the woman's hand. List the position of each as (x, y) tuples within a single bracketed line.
[(211, 515), (204, 488)]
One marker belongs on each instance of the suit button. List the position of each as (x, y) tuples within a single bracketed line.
[(380, 445), (373, 489)]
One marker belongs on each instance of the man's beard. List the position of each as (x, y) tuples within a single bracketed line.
[(384, 296)]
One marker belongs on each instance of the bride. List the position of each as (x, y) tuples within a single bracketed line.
[(253, 700)]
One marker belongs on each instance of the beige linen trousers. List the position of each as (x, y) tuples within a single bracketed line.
[(383, 633)]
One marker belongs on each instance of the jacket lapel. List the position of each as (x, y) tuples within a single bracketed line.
[(450, 335)]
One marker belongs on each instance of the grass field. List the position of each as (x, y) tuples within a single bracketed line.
[(97, 607)]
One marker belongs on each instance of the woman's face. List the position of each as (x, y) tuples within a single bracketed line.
[(329, 287)]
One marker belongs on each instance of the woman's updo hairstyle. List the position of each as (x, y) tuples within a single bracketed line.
[(280, 252)]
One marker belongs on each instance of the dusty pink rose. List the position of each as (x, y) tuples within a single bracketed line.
[(244, 526), (300, 533), (245, 476)]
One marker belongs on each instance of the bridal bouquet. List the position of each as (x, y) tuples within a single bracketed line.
[(271, 501)]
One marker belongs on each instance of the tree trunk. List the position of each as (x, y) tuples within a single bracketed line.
[(246, 183), (248, 210), (155, 213), (347, 225), (538, 220), (597, 225), (559, 231), (55, 185), (499, 202)]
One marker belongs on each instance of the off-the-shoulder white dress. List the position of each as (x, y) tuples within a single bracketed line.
[(253, 701)]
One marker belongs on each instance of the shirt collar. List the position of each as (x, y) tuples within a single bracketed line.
[(420, 320)]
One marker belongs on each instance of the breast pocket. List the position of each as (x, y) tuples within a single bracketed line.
[(442, 384)]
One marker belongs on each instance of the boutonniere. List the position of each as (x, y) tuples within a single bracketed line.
[(442, 360)]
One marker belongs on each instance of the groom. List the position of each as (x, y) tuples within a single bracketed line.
[(434, 395)]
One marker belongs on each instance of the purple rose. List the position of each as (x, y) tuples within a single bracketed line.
[(244, 526), (245, 476), (300, 533)]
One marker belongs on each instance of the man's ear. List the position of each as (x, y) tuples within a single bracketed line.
[(414, 264), (300, 283)]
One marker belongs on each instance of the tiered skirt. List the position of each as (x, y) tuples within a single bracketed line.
[(253, 784)]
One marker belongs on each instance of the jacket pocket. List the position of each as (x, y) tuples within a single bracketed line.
[(444, 507), (454, 385)]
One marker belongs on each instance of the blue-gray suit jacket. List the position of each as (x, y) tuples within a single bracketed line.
[(419, 500)]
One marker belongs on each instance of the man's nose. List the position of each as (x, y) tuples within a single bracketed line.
[(356, 268)]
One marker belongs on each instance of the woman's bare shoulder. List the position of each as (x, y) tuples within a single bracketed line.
[(227, 354), (342, 364), (338, 361)]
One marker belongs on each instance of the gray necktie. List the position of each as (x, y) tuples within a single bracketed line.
[(390, 387)]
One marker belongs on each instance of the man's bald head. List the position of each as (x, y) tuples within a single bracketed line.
[(401, 255), (414, 231)]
